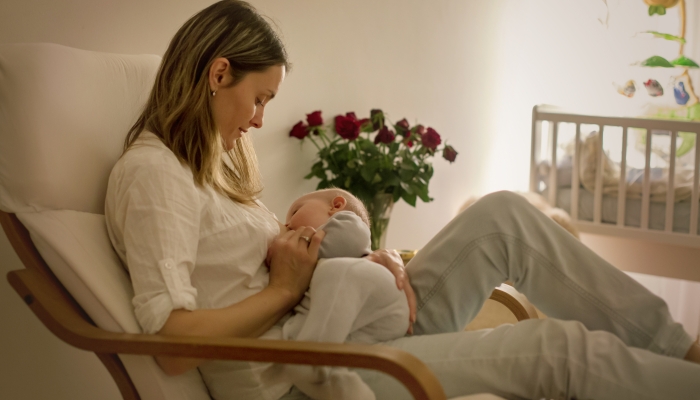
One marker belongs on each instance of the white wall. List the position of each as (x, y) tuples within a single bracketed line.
[(471, 69)]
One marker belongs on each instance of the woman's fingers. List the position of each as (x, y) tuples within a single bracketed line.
[(392, 261), (412, 304), (315, 243)]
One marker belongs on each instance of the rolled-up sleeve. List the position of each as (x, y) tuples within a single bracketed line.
[(158, 216)]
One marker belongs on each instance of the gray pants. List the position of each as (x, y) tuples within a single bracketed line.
[(607, 336)]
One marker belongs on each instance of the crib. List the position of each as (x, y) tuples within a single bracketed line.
[(627, 178)]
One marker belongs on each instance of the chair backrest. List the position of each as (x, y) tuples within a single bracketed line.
[(64, 114)]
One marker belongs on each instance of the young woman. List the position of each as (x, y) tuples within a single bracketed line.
[(174, 207)]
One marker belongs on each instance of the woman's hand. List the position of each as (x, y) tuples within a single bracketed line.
[(292, 258), (392, 261)]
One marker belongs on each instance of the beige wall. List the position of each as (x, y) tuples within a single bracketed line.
[(472, 69)]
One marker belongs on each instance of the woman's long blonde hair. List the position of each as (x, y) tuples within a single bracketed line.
[(178, 110)]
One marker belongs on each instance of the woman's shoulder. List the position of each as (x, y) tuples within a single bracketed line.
[(149, 159)]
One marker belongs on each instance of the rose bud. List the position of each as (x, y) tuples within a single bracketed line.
[(403, 124), (347, 127), (314, 119), (449, 153), (377, 117), (351, 115), (299, 130), (431, 139), (409, 143), (384, 136), (420, 130)]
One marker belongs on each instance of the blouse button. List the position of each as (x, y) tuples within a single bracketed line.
[(168, 265)]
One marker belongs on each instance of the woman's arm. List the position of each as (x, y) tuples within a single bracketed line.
[(292, 261), (249, 318)]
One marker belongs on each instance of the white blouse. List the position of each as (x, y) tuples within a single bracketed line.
[(188, 247)]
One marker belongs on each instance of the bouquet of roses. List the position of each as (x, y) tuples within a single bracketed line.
[(372, 157)]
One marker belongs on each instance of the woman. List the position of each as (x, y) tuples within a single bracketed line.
[(188, 225)]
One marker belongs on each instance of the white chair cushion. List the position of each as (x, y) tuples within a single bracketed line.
[(77, 248), (64, 114)]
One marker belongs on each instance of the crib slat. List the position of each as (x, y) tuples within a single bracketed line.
[(554, 130), (696, 192), (646, 185), (622, 188), (534, 151), (670, 190), (575, 173), (598, 195)]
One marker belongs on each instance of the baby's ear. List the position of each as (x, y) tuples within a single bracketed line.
[(337, 204)]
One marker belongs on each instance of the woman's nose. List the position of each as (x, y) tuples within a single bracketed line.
[(257, 120)]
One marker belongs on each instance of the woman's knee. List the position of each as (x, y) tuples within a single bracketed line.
[(503, 200)]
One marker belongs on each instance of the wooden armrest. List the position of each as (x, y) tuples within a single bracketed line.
[(63, 320), (515, 301)]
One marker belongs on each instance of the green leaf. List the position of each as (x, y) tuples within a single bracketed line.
[(666, 36), (376, 179), (397, 194), (368, 170), (656, 61), (409, 198), (406, 175), (661, 10), (684, 61), (309, 175), (421, 191)]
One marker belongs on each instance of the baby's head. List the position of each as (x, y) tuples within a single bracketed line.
[(315, 208)]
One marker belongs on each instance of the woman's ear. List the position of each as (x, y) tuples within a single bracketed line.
[(219, 74), (337, 204)]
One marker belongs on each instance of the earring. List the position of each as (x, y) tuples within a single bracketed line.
[(213, 93)]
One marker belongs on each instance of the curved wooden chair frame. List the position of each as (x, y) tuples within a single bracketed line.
[(62, 315)]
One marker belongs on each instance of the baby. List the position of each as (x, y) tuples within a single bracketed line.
[(350, 299)]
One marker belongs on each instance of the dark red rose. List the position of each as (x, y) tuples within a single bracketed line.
[(403, 124), (377, 117), (409, 143), (314, 119), (347, 126), (384, 136), (351, 115), (299, 130), (420, 129), (449, 153), (431, 139), (402, 128)]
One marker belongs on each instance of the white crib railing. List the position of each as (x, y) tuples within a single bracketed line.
[(554, 118)]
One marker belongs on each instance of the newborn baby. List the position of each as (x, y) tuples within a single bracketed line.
[(350, 299)]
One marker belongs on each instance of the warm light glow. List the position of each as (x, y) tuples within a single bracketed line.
[(561, 53)]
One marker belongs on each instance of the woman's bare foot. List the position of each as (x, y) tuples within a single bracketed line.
[(694, 353)]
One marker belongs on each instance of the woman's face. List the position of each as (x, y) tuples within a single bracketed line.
[(239, 107)]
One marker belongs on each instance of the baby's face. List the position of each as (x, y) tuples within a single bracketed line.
[(311, 210)]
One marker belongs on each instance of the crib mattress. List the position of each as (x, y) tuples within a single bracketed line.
[(633, 211)]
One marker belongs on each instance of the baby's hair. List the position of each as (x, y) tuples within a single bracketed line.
[(353, 204)]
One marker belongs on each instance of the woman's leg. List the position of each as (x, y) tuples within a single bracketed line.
[(503, 237), (546, 358)]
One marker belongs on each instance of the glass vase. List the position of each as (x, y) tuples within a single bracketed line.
[(379, 210)]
